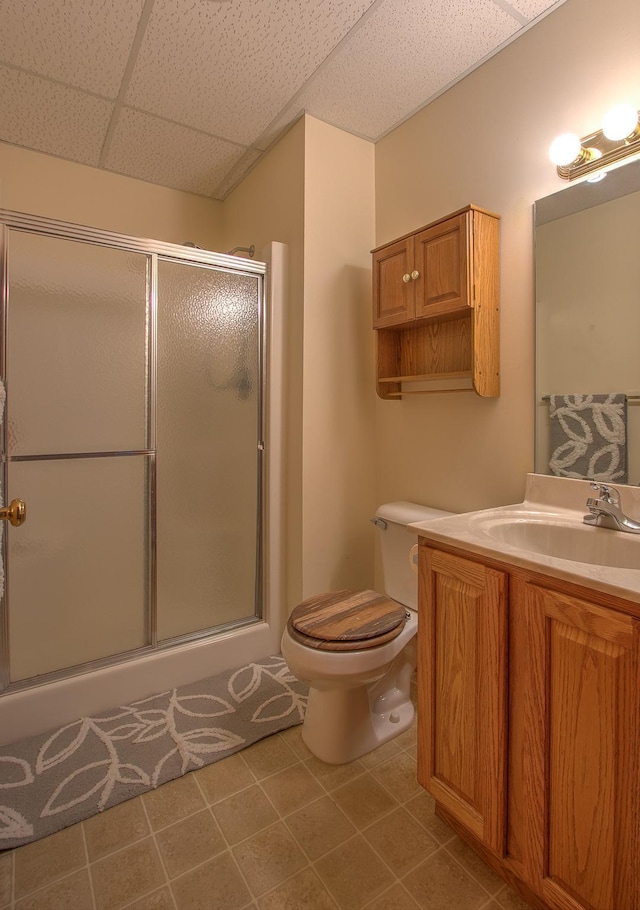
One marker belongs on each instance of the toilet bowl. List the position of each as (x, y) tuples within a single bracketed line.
[(356, 650)]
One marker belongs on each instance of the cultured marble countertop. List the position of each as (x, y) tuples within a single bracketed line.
[(546, 498)]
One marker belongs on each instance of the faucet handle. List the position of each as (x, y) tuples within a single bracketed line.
[(606, 493)]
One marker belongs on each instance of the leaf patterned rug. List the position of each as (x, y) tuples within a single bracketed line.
[(53, 780)]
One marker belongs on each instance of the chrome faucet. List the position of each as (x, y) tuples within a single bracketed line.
[(605, 511)]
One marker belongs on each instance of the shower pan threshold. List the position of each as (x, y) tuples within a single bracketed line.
[(41, 707)]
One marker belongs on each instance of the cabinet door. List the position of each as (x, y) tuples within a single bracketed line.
[(442, 261), (462, 691), (589, 696), (393, 287)]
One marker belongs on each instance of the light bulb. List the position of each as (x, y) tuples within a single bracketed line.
[(564, 149), (620, 122)]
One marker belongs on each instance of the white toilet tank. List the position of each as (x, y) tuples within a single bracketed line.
[(400, 578)]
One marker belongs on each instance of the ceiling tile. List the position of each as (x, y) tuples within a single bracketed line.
[(405, 53), (52, 118), (210, 84), (84, 43), (533, 8), (158, 151), (229, 68)]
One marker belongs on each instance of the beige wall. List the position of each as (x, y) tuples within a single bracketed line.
[(485, 141), (269, 206), (38, 184), (339, 395), (315, 192)]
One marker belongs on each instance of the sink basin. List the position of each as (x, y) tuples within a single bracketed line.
[(561, 537)]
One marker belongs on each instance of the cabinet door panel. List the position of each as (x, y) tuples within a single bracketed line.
[(393, 298), (591, 775), (462, 691), (442, 255)]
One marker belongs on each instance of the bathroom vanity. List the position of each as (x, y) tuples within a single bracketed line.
[(528, 686)]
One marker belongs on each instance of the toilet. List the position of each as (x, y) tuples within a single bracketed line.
[(356, 649)]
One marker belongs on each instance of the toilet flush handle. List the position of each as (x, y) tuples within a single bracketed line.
[(413, 557), (379, 523)]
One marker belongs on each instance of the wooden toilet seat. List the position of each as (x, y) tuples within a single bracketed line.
[(346, 620)]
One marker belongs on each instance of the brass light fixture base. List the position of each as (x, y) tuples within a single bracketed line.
[(599, 152)]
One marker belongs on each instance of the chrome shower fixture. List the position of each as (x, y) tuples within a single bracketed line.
[(243, 249)]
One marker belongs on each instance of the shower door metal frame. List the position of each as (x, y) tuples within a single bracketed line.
[(154, 251)]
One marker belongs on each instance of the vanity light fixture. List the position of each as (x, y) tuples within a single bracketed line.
[(618, 139)]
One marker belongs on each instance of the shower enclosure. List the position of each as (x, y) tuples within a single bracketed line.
[(134, 432)]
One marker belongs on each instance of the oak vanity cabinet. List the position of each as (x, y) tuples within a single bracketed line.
[(462, 689), (537, 766), (436, 305)]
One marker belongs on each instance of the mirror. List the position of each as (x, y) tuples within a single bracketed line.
[(587, 276)]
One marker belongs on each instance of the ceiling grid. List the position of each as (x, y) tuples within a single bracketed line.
[(189, 94)]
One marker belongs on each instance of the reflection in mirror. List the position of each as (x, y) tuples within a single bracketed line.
[(587, 259)]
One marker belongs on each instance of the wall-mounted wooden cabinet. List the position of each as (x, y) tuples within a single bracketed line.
[(436, 306), (528, 726)]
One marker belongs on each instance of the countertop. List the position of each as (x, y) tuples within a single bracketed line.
[(545, 497)]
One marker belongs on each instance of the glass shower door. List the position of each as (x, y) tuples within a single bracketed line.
[(209, 432), (76, 450), (133, 431)]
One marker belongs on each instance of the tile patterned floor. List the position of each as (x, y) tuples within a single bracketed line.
[(270, 828)]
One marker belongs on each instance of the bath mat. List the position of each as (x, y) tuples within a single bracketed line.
[(55, 779)]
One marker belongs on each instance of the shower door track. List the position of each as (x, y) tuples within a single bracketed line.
[(155, 251)]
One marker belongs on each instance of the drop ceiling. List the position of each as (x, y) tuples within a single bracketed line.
[(189, 94)]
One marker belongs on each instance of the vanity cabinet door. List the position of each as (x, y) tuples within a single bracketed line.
[(462, 691), (393, 286), (587, 710), (441, 263)]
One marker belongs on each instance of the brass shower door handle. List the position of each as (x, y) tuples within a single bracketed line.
[(16, 512)]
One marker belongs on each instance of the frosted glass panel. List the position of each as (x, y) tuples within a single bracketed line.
[(77, 352), (77, 583), (207, 426)]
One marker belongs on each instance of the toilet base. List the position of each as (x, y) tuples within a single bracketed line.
[(342, 724)]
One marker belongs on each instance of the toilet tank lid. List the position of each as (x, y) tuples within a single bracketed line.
[(405, 513)]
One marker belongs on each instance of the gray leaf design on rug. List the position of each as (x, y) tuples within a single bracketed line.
[(63, 776)]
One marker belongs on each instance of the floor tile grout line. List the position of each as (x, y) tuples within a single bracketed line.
[(398, 881), (206, 805), (254, 897), (443, 848), (54, 881), (358, 833), (470, 872), (229, 849), (292, 876), (311, 803), (140, 897), (160, 855), (282, 815), (12, 874), (149, 836), (395, 875), (86, 853), (359, 828)]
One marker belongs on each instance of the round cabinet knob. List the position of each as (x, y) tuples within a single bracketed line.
[(415, 274), (406, 277)]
